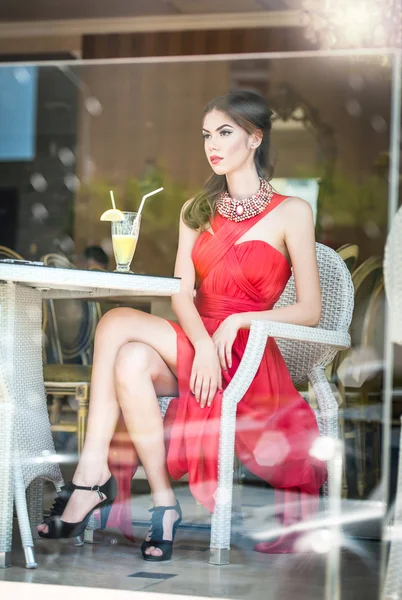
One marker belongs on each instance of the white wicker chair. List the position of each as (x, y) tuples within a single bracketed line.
[(393, 289), (307, 351), (24, 423)]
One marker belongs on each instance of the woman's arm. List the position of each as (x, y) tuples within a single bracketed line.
[(300, 242), (206, 376), (183, 302)]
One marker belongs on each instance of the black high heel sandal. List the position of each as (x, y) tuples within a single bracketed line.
[(61, 529), (157, 541)]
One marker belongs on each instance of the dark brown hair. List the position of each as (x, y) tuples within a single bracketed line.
[(251, 112)]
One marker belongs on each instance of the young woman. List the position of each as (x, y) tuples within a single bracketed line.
[(238, 240)]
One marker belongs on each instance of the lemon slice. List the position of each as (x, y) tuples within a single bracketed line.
[(113, 214)]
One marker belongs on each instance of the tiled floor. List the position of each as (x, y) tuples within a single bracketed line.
[(116, 563)]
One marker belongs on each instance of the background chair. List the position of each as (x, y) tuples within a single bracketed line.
[(355, 393), (365, 401), (350, 255), (71, 331), (69, 336), (8, 253), (365, 280), (307, 351)]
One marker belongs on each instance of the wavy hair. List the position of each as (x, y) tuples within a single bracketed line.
[(251, 112)]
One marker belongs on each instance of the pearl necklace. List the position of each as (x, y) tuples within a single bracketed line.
[(240, 210)]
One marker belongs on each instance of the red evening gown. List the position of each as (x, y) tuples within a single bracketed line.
[(275, 426)]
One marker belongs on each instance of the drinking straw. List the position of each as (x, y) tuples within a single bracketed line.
[(142, 205), (112, 199)]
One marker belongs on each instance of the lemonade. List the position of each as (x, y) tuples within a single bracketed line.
[(124, 247), (125, 234)]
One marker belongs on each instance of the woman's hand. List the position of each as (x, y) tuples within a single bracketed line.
[(224, 337), (206, 374)]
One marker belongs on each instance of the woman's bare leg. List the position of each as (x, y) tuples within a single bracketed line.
[(142, 375), (116, 328)]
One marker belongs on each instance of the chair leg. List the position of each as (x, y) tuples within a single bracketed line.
[(22, 514), (328, 412), (55, 409), (362, 483), (342, 436), (221, 518), (377, 452), (332, 578), (237, 527), (82, 397), (6, 483), (360, 457), (35, 493)]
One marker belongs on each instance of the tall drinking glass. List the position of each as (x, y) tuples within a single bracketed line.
[(124, 238)]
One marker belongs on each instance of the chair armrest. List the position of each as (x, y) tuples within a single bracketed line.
[(260, 330), (249, 364), (301, 333)]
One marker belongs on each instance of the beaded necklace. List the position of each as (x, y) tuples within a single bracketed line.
[(240, 210)]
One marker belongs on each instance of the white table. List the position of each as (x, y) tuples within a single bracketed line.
[(27, 453)]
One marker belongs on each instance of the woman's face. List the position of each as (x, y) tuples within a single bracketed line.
[(228, 146)]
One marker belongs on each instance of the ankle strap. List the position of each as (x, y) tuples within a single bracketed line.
[(94, 488)]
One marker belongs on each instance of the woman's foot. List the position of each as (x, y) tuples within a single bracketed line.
[(166, 518), (78, 503)]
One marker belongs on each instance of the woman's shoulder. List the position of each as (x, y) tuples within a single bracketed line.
[(184, 222), (295, 207)]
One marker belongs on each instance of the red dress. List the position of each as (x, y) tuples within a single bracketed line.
[(275, 425)]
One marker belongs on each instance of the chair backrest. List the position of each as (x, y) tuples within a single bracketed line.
[(337, 308), (374, 320), (363, 363), (6, 252), (393, 276), (350, 255), (72, 322), (366, 279)]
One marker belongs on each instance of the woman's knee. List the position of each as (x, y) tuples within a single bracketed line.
[(135, 359), (113, 321)]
